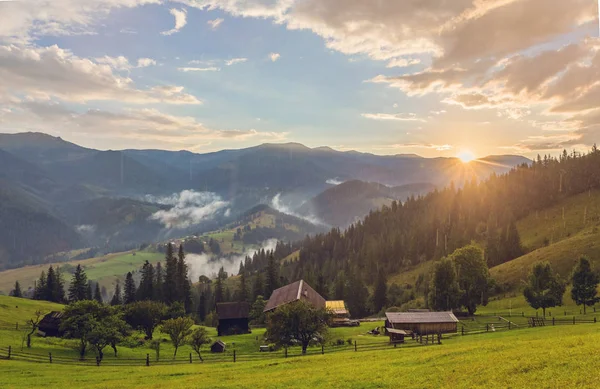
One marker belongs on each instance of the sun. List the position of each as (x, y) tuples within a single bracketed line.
[(465, 156)]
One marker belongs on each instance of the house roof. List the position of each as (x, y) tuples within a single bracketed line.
[(337, 306), (298, 290), (397, 332), (51, 320), (420, 317), (219, 342), (240, 310)]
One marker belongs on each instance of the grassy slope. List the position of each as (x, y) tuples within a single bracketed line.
[(570, 237), (103, 269)]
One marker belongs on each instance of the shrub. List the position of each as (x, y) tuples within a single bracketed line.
[(340, 342), (349, 341)]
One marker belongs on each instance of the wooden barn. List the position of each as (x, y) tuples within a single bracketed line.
[(233, 318), (295, 291), (218, 347), (50, 324), (421, 323)]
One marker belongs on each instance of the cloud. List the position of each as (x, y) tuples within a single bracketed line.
[(117, 63), (403, 117), (334, 181), (180, 21), (51, 71), (437, 147), (205, 264), (190, 208), (86, 228), (235, 61), (274, 57), (193, 69), (279, 206), (155, 128), (145, 62), (128, 31), (214, 24), (403, 62)]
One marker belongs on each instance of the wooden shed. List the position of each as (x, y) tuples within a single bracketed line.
[(233, 318), (396, 336), (422, 323), (218, 347), (296, 291), (50, 324)]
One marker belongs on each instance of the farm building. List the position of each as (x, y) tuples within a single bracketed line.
[(218, 347), (296, 291), (233, 318), (50, 324), (421, 323), (341, 316)]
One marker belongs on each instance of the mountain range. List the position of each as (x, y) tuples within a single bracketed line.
[(58, 196)]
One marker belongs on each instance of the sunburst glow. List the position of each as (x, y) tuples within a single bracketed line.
[(466, 156)]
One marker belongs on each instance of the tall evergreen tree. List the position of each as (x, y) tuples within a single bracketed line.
[(130, 289), (170, 284), (444, 293), (145, 290), (158, 282), (16, 292), (59, 289), (357, 296), (243, 291), (117, 298), (219, 287), (380, 293), (98, 293), (202, 307), (272, 279), (258, 286), (78, 287), (51, 286), (585, 284), (544, 288), (183, 283), (39, 292), (89, 293)]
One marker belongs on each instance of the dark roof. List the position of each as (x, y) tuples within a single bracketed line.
[(420, 317), (397, 332), (233, 310), (51, 320), (219, 342), (293, 292)]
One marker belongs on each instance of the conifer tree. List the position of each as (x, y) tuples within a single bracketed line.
[(78, 287), (89, 294), (98, 294), (258, 286), (544, 288), (380, 293), (59, 289), (117, 298), (183, 283), (145, 290), (202, 307), (243, 291), (158, 282), (272, 279), (130, 289), (170, 284), (51, 286), (219, 287), (585, 284), (16, 292), (39, 292)]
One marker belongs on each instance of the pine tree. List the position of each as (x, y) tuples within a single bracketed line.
[(445, 293), (158, 282), (202, 307), (98, 294), (145, 290), (129, 292), (227, 296), (243, 292), (219, 287), (89, 294), (117, 299), (183, 283), (170, 284), (51, 286), (39, 292), (380, 293), (272, 279), (59, 289), (258, 286), (78, 287), (16, 292)]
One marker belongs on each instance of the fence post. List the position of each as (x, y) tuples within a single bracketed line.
[(97, 361), (573, 319), (462, 330), (552, 321), (322, 349), (286, 351), (565, 313), (594, 319), (190, 357), (522, 313), (9, 351), (234, 355), (355, 348), (509, 324), (147, 359), (17, 326), (487, 329), (50, 356)]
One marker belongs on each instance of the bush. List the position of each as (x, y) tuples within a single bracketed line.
[(349, 341), (340, 342)]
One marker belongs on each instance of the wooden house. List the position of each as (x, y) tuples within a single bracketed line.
[(233, 318), (218, 347), (295, 291), (341, 316), (421, 323), (50, 324)]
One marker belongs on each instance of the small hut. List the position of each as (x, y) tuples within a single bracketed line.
[(50, 324), (421, 323), (341, 316), (218, 347), (233, 318)]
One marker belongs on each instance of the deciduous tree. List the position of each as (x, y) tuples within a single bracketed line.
[(544, 288), (585, 283), (197, 339), (178, 330)]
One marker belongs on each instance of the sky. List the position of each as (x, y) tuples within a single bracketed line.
[(434, 78)]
